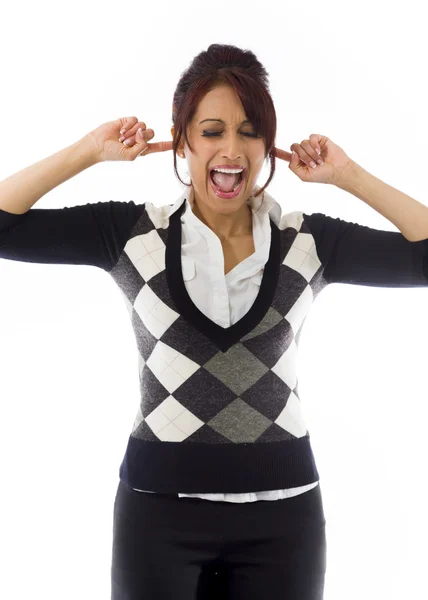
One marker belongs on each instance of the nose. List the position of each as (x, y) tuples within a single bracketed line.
[(232, 146)]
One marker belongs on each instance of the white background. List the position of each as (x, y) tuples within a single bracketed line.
[(68, 360)]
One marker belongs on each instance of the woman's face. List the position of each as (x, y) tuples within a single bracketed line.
[(232, 144)]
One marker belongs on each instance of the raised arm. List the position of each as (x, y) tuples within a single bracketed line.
[(90, 234), (20, 191)]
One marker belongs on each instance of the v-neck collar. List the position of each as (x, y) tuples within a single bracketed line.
[(223, 337)]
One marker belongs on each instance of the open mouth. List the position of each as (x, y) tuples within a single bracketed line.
[(228, 194)]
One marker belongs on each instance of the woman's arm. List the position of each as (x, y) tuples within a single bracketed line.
[(19, 192)]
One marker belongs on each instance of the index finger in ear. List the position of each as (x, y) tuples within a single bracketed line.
[(283, 154), (157, 147)]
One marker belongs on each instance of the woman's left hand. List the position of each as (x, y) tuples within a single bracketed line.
[(335, 160)]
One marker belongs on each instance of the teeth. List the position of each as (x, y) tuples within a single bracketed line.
[(228, 170)]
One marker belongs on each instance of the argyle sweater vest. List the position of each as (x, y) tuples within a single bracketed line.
[(220, 410)]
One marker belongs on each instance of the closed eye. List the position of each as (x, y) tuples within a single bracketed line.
[(215, 133)]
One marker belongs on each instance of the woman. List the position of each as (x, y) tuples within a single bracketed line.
[(263, 551), (219, 493)]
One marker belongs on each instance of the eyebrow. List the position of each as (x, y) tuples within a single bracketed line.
[(221, 121)]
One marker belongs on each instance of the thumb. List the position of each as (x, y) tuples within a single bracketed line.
[(142, 144)]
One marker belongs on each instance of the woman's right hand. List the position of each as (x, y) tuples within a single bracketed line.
[(105, 140)]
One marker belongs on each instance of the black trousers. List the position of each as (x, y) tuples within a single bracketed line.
[(171, 548)]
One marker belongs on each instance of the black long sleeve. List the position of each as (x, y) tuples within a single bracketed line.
[(356, 254), (92, 234)]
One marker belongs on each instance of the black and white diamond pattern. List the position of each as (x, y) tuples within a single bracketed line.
[(191, 390)]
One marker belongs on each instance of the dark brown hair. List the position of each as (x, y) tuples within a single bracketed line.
[(225, 64)]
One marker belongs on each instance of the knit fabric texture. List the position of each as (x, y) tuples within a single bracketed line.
[(219, 409)]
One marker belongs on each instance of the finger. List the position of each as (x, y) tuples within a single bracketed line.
[(303, 154), (151, 148), (157, 147), (142, 141), (131, 130), (296, 161), (283, 154), (310, 149), (132, 140), (126, 123), (316, 140)]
